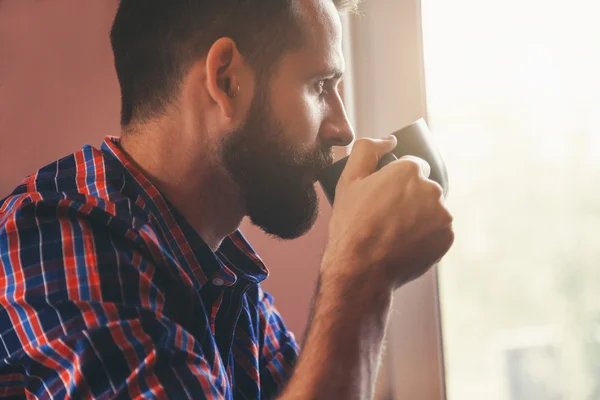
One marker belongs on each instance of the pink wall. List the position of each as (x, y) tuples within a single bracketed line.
[(58, 91)]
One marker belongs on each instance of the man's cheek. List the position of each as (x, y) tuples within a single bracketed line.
[(304, 124)]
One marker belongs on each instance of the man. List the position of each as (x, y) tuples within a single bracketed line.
[(123, 272)]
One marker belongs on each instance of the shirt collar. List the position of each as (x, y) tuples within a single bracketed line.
[(235, 259)]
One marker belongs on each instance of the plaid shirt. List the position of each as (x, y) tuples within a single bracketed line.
[(107, 292)]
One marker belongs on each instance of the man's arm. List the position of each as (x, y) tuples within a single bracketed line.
[(387, 228), (342, 350)]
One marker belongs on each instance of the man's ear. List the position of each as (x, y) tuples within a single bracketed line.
[(224, 65)]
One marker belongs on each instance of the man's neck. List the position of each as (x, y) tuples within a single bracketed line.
[(187, 172)]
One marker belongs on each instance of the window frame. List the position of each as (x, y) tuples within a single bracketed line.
[(385, 42)]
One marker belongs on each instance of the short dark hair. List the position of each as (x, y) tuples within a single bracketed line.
[(154, 43)]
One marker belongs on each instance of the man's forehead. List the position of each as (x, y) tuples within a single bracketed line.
[(322, 30), (309, 61), (319, 18)]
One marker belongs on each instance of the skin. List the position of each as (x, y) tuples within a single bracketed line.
[(387, 227)]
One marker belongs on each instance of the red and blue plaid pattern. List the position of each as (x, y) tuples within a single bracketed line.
[(107, 292)]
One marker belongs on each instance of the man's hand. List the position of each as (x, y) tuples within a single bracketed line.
[(392, 223), (388, 227)]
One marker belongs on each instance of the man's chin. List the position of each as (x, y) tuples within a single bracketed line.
[(287, 224)]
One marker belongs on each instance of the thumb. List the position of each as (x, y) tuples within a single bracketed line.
[(365, 156)]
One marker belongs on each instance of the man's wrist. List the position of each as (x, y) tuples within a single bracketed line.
[(348, 279)]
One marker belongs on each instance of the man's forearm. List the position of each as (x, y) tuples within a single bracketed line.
[(343, 344)]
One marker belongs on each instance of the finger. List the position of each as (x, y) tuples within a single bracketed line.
[(365, 156), (424, 167)]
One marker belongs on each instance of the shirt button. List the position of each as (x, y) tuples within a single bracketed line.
[(218, 282)]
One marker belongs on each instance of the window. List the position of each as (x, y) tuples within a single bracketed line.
[(513, 96)]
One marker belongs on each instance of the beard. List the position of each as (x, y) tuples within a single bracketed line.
[(272, 174)]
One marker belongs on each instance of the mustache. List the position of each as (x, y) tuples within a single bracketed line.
[(317, 160)]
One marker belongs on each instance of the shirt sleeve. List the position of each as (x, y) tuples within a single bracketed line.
[(279, 350), (82, 317)]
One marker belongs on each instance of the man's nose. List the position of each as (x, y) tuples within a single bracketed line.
[(337, 130)]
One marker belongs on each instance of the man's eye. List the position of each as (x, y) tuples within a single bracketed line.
[(321, 87)]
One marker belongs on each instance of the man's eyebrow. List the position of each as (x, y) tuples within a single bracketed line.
[(331, 73)]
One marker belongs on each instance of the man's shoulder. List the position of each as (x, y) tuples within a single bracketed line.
[(83, 185), (68, 230)]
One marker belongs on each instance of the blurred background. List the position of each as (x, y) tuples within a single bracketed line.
[(513, 94), (511, 90)]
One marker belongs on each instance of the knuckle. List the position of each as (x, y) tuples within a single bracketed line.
[(448, 218), (436, 189), (408, 166)]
